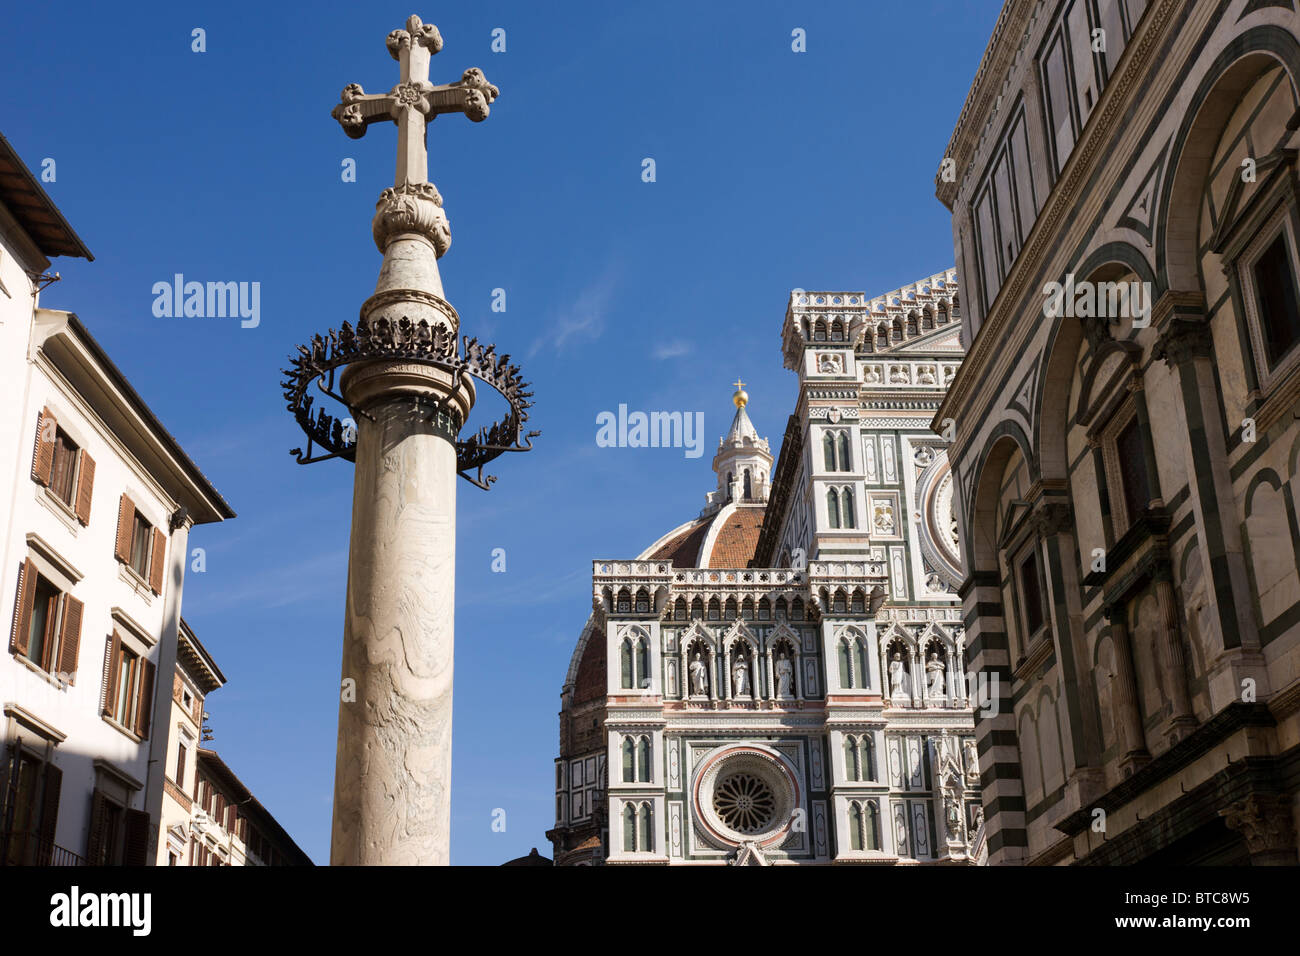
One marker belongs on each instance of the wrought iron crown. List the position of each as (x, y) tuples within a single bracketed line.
[(406, 341)]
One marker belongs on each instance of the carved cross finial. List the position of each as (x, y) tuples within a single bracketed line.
[(414, 102)]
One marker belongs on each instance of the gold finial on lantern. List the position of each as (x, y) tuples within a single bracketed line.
[(741, 398)]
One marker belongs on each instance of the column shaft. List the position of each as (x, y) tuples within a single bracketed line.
[(392, 798)]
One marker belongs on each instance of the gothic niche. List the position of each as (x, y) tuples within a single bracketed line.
[(935, 672), (741, 672), (783, 676), (899, 670), (697, 669)]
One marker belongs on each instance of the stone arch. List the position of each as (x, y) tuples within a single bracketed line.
[(1052, 404), (1268, 532), (981, 548), (1032, 781), (1234, 71), (1050, 743)]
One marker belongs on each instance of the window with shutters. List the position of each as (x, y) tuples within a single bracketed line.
[(63, 467), (47, 622), (128, 686), (140, 546), (141, 540), (63, 475)]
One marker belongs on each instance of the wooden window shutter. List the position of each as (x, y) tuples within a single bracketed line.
[(144, 704), (112, 649), (50, 812), (95, 841), (156, 564), (85, 484), (70, 640), (21, 636), (43, 456), (135, 849), (125, 528)]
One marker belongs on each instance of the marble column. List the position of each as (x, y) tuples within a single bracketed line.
[(1128, 715), (392, 799), (1181, 719)]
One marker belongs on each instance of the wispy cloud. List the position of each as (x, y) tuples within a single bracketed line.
[(280, 586), (583, 320), (669, 350)]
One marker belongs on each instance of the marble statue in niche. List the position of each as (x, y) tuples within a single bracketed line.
[(934, 671), (899, 375), (972, 762), (699, 676), (740, 677), (897, 677), (784, 676), (925, 375), (873, 375)]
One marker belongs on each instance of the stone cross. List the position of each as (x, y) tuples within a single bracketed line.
[(414, 102)]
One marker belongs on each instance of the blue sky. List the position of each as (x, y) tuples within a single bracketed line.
[(774, 170)]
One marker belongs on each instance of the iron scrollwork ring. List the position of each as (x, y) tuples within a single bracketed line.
[(406, 341)]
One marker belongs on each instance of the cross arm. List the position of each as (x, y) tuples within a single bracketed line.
[(472, 95)]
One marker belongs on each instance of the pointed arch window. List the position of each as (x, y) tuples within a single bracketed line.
[(852, 759), (854, 670), (845, 460), (855, 825), (629, 760), (634, 662), (645, 840), (629, 828), (643, 662), (833, 508), (850, 518), (871, 824), (828, 448), (749, 488), (625, 663), (643, 760)]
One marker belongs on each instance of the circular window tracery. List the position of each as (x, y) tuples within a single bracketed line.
[(745, 793), (745, 803)]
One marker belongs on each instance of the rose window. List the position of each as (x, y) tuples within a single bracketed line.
[(745, 803)]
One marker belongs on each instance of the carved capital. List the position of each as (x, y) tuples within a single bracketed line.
[(1052, 519), (411, 207), (1182, 341), (1264, 820), (1096, 330)]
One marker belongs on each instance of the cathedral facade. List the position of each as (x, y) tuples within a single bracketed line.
[(1128, 464), (783, 679)]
